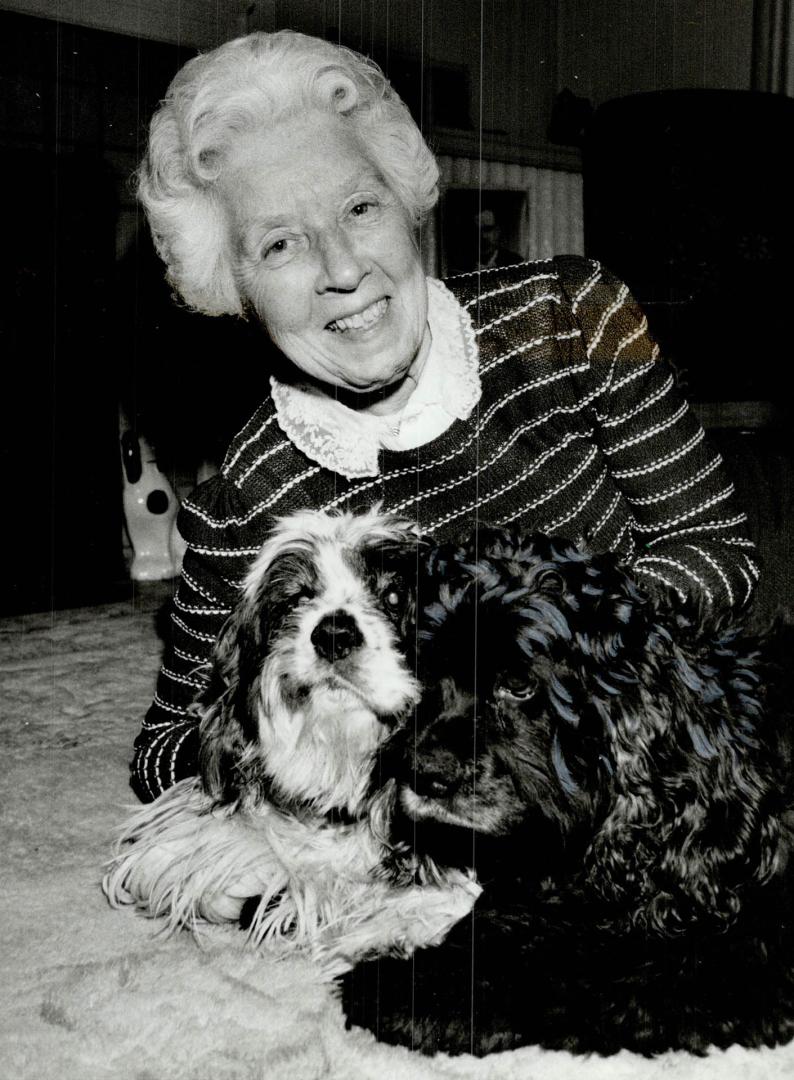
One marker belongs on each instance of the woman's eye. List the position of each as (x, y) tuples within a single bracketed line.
[(364, 208), (278, 247), (518, 687), (282, 248)]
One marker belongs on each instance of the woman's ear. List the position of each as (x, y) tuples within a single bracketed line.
[(228, 707), (693, 819)]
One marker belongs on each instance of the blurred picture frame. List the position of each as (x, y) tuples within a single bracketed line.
[(482, 228)]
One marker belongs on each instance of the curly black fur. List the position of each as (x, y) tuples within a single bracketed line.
[(612, 767)]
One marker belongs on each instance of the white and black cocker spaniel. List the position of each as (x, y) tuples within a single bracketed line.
[(285, 826)]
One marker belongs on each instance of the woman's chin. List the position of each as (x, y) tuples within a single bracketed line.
[(360, 388), (365, 373)]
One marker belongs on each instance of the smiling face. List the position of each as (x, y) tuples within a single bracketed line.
[(325, 254)]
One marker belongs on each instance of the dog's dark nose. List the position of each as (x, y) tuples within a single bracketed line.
[(437, 773), (336, 635)]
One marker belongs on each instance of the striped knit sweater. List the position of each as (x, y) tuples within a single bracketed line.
[(579, 432)]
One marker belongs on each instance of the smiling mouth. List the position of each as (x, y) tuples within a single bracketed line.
[(362, 320)]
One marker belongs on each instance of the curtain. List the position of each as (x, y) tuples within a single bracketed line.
[(773, 46)]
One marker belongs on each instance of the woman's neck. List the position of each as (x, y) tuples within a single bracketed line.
[(393, 399)]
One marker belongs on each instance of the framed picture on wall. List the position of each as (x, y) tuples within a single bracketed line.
[(482, 228)]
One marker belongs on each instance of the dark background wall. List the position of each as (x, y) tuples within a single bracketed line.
[(70, 128), (517, 54)]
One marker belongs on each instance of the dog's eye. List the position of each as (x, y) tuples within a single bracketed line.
[(393, 599), (518, 687), (549, 581)]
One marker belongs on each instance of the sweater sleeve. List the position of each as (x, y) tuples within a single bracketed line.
[(688, 533), (166, 750)]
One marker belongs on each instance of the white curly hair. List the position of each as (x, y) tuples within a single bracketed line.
[(244, 84)]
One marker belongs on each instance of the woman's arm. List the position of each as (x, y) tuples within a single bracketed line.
[(688, 533), (166, 750)]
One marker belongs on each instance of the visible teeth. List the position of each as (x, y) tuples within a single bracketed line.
[(363, 319)]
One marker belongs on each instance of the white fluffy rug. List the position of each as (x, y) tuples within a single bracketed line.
[(93, 994)]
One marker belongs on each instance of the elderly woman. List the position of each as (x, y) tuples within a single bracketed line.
[(285, 181)]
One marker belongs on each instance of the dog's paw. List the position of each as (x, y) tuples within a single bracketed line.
[(428, 1003), (379, 995)]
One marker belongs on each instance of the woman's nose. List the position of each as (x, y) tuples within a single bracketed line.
[(342, 267)]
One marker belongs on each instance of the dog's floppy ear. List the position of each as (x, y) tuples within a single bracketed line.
[(228, 706), (614, 617), (693, 820)]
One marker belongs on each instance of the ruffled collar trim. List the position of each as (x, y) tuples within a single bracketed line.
[(348, 442)]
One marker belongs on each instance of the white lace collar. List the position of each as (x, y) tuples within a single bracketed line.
[(347, 442)]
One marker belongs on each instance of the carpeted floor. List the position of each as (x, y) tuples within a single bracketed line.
[(93, 994)]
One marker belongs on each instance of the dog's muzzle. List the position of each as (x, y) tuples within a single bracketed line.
[(435, 766), (336, 635), (438, 774)]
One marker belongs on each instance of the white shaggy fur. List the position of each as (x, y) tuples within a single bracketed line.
[(191, 858), (323, 751), (192, 863)]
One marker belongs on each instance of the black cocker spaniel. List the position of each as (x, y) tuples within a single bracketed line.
[(613, 768)]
